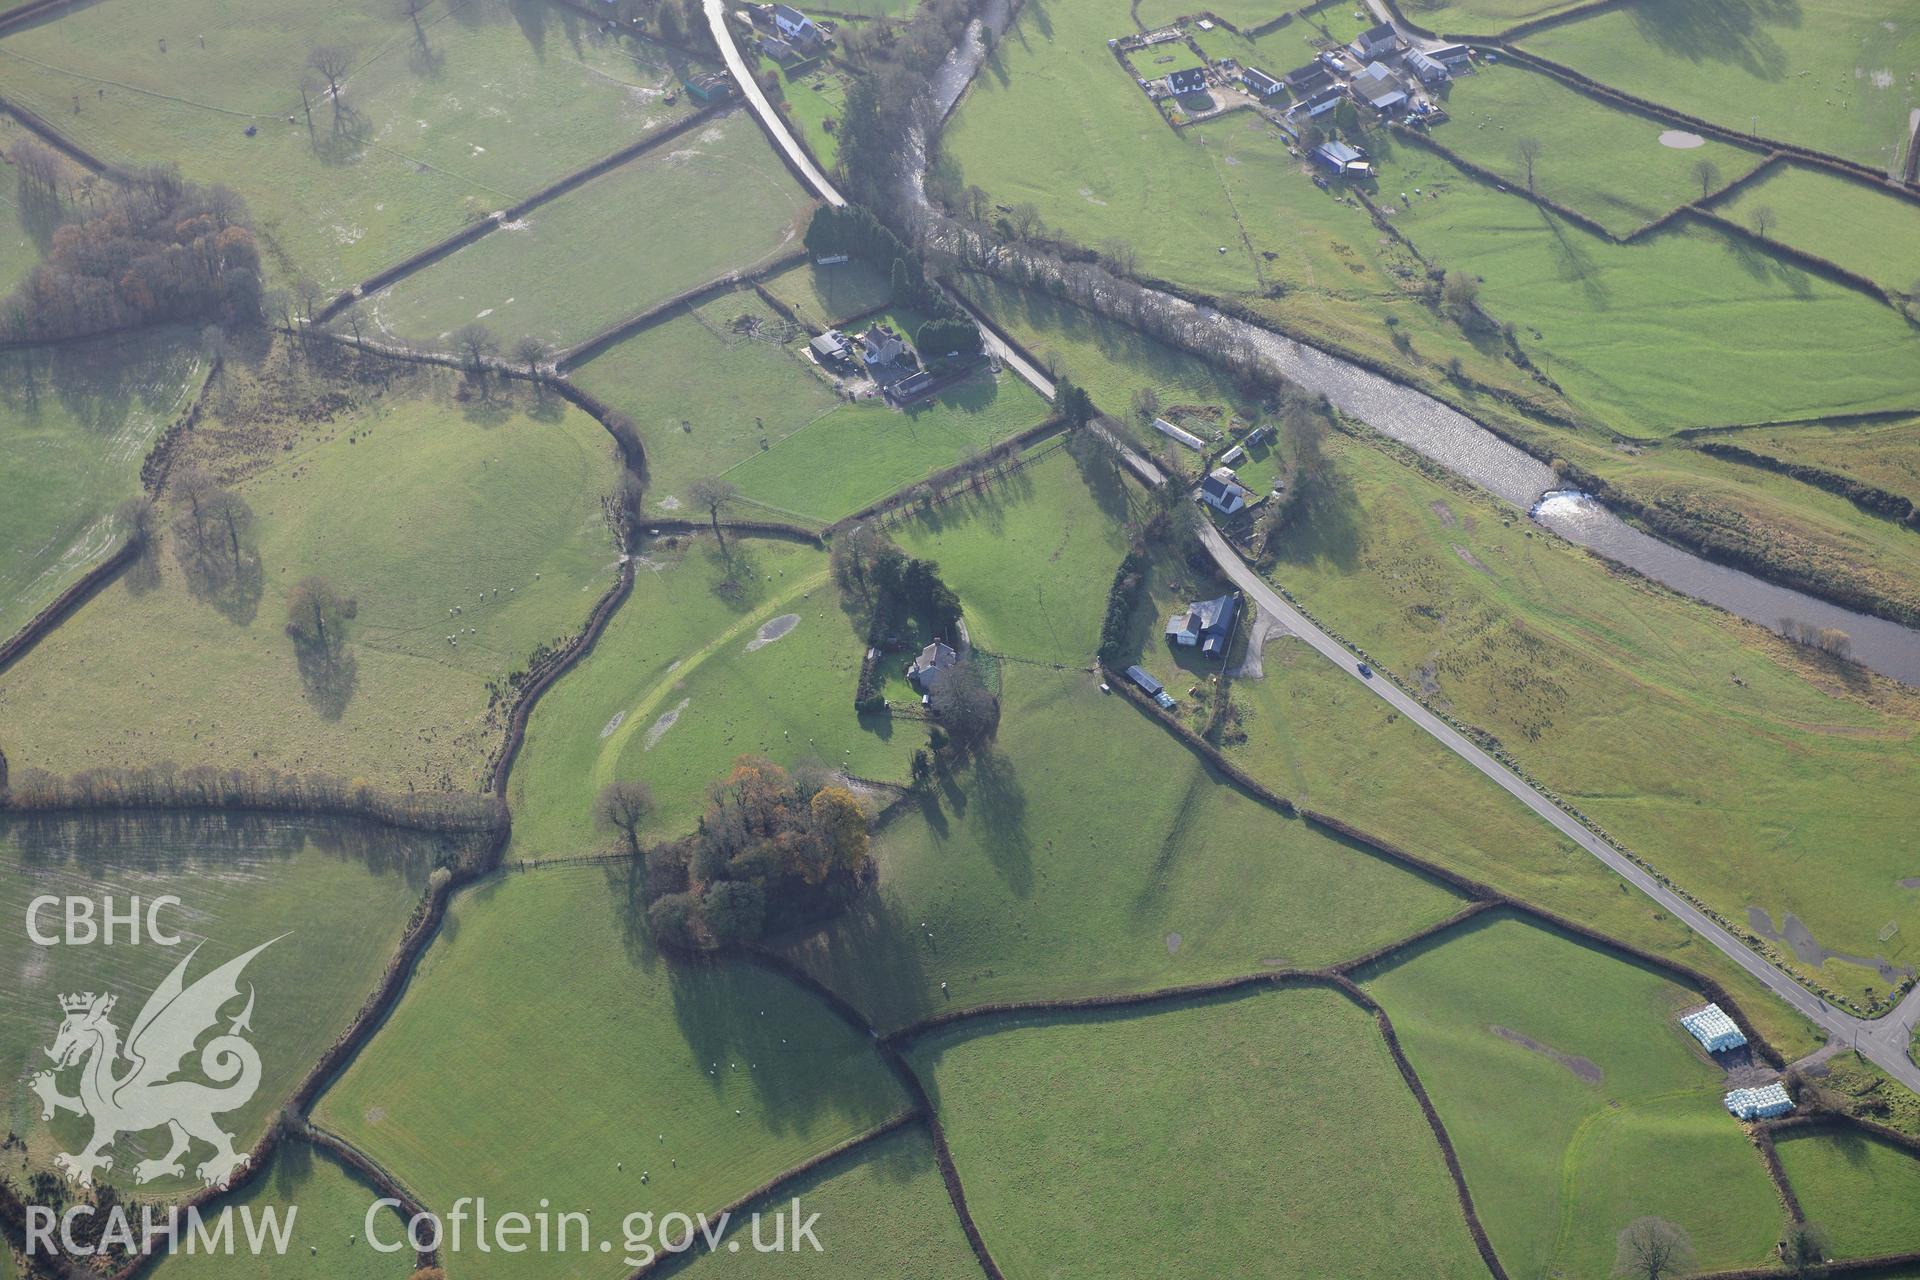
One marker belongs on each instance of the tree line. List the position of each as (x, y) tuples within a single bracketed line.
[(167, 786), (152, 248)]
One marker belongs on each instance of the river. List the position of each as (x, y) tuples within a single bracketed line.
[(1474, 453)]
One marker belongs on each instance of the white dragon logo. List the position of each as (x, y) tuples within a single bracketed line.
[(146, 1096)]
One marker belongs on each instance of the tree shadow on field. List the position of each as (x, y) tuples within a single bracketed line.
[(1000, 803), (328, 676), (876, 949), (220, 574), (1764, 266), (742, 1024), (1574, 263), (1327, 527), (1720, 31)]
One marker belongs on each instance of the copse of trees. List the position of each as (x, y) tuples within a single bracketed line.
[(155, 250), (890, 590), (773, 851)]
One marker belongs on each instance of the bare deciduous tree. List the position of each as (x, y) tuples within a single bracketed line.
[(1527, 150), (1652, 1249), (317, 615), (715, 494), (1707, 174), (622, 807), (1764, 220), (331, 63), (530, 351), (474, 343)]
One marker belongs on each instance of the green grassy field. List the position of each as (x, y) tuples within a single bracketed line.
[(1883, 454), (330, 1204), (813, 99), (883, 1211), (1704, 743), (1111, 361), (21, 236), (1090, 853), (1834, 75), (1031, 557), (713, 399), (425, 154), (1052, 121), (790, 698), (75, 425), (1244, 14), (706, 1080), (1313, 734), (1858, 1188), (414, 507), (1616, 324), (825, 296), (1605, 162), (1269, 1135), (865, 451), (674, 218), (705, 396), (1482, 17), (1562, 1152), (1862, 229), (674, 614), (340, 892)]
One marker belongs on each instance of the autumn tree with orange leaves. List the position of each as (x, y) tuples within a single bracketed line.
[(774, 850)]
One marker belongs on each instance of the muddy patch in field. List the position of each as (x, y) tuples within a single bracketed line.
[(1173, 943), (1443, 513), (1586, 1068), (666, 721), (618, 718), (1429, 680), (1911, 882), (1794, 932), (1471, 559), (775, 629)]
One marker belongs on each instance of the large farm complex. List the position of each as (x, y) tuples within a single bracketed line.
[(959, 638)]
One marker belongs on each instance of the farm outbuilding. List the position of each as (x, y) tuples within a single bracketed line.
[(1152, 686), (1260, 84), (1186, 438), (1714, 1030), (1378, 87), (1343, 160), (1760, 1104)]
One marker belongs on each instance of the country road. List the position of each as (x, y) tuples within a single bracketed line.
[(757, 99), (1883, 1041)]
